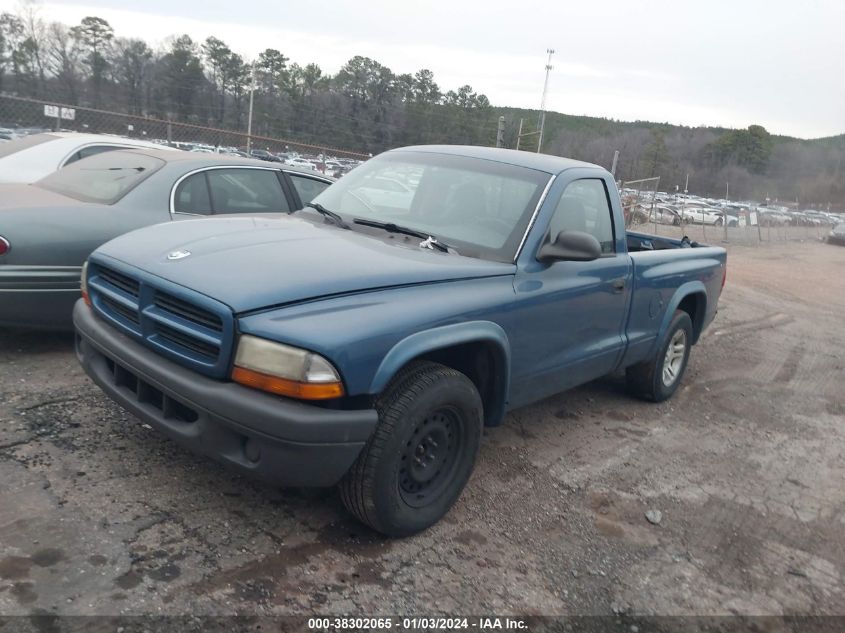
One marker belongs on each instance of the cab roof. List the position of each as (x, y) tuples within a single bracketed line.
[(530, 160)]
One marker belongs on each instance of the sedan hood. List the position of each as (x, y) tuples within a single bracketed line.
[(250, 263)]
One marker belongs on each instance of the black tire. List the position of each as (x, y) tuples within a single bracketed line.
[(718, 222), (646, 380), (430, 416), (676, 221)]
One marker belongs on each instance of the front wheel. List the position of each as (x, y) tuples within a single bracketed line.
[(718, 222), (659, 378), (421, 454)]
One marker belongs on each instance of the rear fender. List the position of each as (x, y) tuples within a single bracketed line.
[(689, 288)]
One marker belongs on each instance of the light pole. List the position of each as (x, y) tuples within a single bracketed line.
[(249, 120), (551, 52)]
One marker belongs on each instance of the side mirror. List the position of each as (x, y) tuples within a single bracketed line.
[(574, 246)]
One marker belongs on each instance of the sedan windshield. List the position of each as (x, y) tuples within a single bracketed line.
[(480, 207), (103, 178)]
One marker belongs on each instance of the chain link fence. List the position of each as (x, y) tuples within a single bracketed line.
[(27, 115), (648, 210), (639, 199), (746, 233)]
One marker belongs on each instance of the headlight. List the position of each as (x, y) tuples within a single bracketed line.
[(285, 370), (83, 283)]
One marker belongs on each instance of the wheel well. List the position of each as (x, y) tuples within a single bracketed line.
[(484, 364), (694, 305)]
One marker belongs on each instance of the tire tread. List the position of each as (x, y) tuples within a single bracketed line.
[(356, 488)]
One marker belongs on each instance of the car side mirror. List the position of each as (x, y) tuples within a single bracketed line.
[(574, 246)]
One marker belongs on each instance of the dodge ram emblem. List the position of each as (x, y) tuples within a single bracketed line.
[(178, 254)]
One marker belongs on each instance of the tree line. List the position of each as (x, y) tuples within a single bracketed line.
[(367, 107)]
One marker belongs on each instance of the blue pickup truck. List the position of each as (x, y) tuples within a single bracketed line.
[(366, 340)]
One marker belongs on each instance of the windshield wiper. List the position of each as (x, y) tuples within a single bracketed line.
[(429, 241), (329, 214)]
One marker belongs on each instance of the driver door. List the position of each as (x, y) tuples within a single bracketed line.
[(571, 315)]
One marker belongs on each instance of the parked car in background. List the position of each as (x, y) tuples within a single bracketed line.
[(823, 219), (300, 163), (837, 235), (30, 158), (263, 154), (369, 346), (48, 228), (772, 217), (707, 215), (663, 214)]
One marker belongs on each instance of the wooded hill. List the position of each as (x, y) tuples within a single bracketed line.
[(367, 107)]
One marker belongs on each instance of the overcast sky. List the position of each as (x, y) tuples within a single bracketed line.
[(777, 63)]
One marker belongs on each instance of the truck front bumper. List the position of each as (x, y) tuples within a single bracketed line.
[(278, 440)]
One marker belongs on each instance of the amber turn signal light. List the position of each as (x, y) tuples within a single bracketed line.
[(286, 387)]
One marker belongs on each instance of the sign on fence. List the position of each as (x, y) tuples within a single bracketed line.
[(55, 112)]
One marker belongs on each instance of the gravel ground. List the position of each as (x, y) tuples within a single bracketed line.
[(728, 499)]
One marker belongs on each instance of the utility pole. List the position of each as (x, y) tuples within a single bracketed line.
[(615, 162), (249, 120), (551, 52), (500, 133)]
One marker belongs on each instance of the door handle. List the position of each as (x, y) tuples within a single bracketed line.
[(618, 285)]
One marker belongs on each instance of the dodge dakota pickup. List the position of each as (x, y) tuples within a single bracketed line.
[(366, 340)]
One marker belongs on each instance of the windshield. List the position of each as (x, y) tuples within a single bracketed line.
[(103, 178), (480, 207)]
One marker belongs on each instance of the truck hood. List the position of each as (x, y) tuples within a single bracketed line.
[(251, 262)]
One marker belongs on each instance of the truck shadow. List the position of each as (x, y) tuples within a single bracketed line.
[(14, 341)]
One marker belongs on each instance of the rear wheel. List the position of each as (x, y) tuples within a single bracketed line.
[(659, 378), (718, 222), (419, 458)]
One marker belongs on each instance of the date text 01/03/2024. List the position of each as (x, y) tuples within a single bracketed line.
[(416, 623)]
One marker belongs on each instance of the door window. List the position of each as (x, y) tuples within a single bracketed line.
[(246, 191), (584, 207), (192, 195)]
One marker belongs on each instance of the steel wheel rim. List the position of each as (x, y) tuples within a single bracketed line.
[(430, 457), (673, 361)]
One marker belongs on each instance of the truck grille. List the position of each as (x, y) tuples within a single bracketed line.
[(188, 311), (118, 308), (126, 284), (186, 341), (196, 331)]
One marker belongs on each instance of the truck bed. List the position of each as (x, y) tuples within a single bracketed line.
[(639, 242)]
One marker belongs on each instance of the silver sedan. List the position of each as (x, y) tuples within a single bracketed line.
[(48, 228)]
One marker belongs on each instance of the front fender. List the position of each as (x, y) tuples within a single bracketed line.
[(427, 341)]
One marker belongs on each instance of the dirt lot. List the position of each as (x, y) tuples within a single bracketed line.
[(101, 515)]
